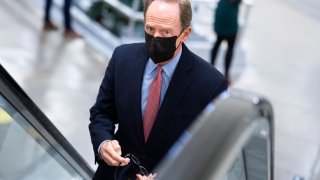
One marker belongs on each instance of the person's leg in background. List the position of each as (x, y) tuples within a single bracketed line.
[(228, 58), (215, 49), (67, 17), (48, 25), (67, 20)]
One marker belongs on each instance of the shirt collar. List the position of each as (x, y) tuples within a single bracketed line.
[(167, 68)]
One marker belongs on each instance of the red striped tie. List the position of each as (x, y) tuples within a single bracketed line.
[(153, 103)]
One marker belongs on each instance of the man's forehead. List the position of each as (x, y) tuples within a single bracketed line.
[(163, 6), (163, 11), (153, 19)]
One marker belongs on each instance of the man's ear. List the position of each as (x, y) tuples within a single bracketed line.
[(186, 33)]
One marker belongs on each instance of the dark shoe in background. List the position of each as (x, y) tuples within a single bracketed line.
[(49, 26), (70, 33)]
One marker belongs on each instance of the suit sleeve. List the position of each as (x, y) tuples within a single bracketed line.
[(103, 114), (217, 90)]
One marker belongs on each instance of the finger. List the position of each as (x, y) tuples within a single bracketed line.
[(116, 147), (127, 160), (139, 177), (150, 177), (153, 175), (110, 161), (114, 155), (108, 154)]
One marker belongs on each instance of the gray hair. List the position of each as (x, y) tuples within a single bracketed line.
[(185, 11)]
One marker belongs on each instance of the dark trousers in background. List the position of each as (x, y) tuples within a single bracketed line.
[(228, 57), (66, 12)]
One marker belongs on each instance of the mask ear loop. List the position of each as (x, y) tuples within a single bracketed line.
[(178, 37)]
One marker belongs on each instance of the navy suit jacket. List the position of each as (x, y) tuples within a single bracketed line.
[(193, 85)]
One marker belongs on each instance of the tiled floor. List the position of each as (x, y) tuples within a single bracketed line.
[(278, 55)]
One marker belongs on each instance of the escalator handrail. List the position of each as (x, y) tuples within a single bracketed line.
[(11, 90), (211, 143)]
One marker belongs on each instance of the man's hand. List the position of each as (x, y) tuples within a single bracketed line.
[(110, 152), (150, 177)]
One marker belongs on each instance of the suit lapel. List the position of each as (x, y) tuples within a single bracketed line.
[(136, 84), (175, 92)]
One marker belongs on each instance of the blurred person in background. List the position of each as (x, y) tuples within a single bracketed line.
[(48, 25), (226, 28), (153, 91)]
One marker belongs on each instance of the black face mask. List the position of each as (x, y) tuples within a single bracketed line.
[(160, 49)]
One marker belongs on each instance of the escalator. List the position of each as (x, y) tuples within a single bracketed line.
[(231, 140), (31, 147)]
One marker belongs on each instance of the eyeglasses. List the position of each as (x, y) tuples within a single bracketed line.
[(142, 170)]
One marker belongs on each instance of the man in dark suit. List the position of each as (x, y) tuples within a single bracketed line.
[(153, 91)]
